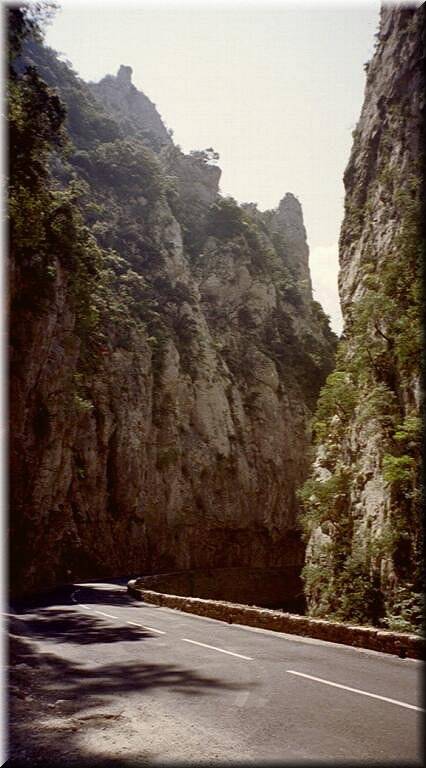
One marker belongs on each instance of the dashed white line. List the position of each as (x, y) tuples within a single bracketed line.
[(241, 698), (287, 636), (214, 648), (144, 626), (108, 615), (356, 690)]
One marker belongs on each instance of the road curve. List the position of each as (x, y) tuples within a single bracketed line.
[(108, 680)]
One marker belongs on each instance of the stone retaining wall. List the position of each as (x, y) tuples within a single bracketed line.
[(400, 644)]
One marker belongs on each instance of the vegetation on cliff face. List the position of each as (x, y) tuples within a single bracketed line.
[(62, 298), (166, 353), (362, 503)]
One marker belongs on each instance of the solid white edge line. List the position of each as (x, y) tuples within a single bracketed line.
[(144, 626), (356, 690), (214, 648)]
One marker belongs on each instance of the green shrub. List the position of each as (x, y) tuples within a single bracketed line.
[(359, 595), (128, 167), (380, 404), (398, 471), (226, 219), (318, 586), (337, 397), (405, 610), (324, 500), (409, 432)]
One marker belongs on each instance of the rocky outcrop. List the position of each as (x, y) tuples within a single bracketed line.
[(363, 500), (160, 415), (131, 108), (194, 179), (288, 221)]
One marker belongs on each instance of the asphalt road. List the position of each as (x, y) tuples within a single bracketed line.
[(115, 679)]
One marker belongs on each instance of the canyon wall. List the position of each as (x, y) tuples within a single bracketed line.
[(362, 502), (166, 353)]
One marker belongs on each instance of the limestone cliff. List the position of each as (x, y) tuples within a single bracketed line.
[(362, 503), (162, 390), (131, 108)]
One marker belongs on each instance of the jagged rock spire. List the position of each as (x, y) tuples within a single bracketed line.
[(124, 74), (288, 221)]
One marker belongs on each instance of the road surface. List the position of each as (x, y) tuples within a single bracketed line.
[(101, 678)]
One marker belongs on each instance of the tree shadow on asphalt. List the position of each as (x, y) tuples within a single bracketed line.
[(55, 704), (73, 626), (105, 594), (87, 594)]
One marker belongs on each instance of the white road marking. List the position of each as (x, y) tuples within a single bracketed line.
[(108, 615), (356, 690), (241, 698), (292, 637), (213, 648), (144, 626), (286, 636)]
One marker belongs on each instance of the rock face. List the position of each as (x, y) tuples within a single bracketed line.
[(160, 422), (288, 219), (267, 587), (362, 503), (132, 109)]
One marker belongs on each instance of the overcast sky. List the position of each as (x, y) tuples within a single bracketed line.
[(275, 88)]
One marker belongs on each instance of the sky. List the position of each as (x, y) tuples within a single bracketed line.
[(276, 88)]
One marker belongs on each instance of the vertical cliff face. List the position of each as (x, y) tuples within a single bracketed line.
[(362, 503), (288, 221), (161, 392)]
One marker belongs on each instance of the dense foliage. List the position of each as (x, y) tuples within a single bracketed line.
[(46, 230)]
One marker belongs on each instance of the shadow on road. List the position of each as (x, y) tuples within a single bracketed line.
[(99, 593), (60, 710), (105, 594), (73, 626)]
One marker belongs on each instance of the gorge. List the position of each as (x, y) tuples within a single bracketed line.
[(166, 350), (169, 365)]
